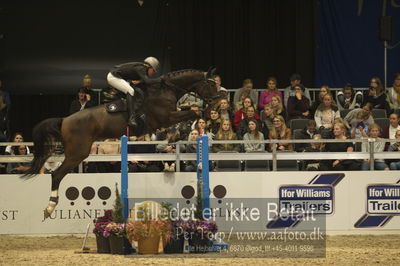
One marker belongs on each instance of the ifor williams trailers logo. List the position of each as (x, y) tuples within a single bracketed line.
[(383, 202)]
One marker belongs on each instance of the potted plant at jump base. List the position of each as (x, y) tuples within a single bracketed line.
[(174, 241), (103, 244), (147, 230), (116, 231)]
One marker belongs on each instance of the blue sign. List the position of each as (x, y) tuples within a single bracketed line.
[(383, 199)]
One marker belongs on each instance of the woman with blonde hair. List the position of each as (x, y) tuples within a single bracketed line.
[(326, 113), (379, 164), (225, 132), (279, 131), (324, 90), (278, 107)]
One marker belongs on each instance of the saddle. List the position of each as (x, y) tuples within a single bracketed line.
[(114, 100), (116, 106)]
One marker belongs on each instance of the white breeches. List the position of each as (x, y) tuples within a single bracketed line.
[(120, 84)]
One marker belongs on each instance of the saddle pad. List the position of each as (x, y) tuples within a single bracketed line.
[(116, 106)]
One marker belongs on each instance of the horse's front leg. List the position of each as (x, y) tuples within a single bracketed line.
[(179, 116)]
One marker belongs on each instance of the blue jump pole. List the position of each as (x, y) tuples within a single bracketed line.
[(203, 171), (124, 176)]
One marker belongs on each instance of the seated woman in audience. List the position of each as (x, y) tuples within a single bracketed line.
[(225, 132), (241, 113), (190, 166), (351, 118), (338, 164), (306, 133), (170, 147), (214, 122), (379, 164), (279, 131), (225, 112), (393, 94), (324, 90), (313, 165), (266, 118), (360, 129), (390, 131), (376, 95), (250, 114), (18, 168), (348, 98), (266, 95), (253, 133), (278, 107), (298, 105), (395, 164), (326, 113), (201, 126), (17, 137), (244, 92)]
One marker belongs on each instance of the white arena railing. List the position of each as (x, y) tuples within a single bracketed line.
[(179, 156)]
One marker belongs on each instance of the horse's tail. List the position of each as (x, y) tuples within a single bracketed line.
[(45, 135)]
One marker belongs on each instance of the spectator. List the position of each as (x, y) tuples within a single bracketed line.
[(376, 95), (313, 165), (170, 147), (253, 134), (348, 98), (185, 127), (201, 127), (80, 103), (360, 129), (144, 166), (267, 117), (18, 168), (190, 166), (241, 113), (91, 95), (224, 92), (379, 164), (214, 122), (244, 92), (338, 164), (395, 164), (326, 114), (295, 80), (278, 107), (393, 94), (17, 137), (225, 132), (279, 131), (306, 133), (250, 114), (351, 118), (266, 95), (225, 110), (390, 131), (298, 105), (324, 90)]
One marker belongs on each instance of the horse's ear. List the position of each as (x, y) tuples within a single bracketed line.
[(210, 72)]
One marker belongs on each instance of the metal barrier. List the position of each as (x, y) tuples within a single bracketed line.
[(273, 156)]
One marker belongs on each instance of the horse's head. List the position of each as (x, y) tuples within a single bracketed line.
[(207, 89)]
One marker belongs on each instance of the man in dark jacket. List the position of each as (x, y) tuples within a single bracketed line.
[(122, 76)]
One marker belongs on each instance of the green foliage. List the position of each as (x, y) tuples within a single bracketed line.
[(117, 213)]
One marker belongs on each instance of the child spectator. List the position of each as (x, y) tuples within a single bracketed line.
[(348, 98), (253, 133), (225, 132), (279, 131), (266, 95), (374, 132), (313, 165), (351, 118), (360, 129)]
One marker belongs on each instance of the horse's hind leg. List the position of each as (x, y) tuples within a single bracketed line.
[(74, 154)]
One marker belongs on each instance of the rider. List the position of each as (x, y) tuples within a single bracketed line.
[(122, 76)]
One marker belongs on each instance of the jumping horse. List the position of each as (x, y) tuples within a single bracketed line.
[(78, 131)]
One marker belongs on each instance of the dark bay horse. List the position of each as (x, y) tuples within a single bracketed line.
[(78, 131)]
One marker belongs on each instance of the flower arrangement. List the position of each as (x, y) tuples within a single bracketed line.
[(138, 230), (117, 229), (200, 228), (101, 222)]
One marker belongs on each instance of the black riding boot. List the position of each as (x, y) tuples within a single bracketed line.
[(131, 110)]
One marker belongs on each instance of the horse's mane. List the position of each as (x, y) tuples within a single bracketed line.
[(171, 76)]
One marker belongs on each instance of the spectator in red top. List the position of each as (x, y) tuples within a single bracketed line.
[(241, 113)]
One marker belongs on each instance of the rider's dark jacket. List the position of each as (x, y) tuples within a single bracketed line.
[(133, 71)]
